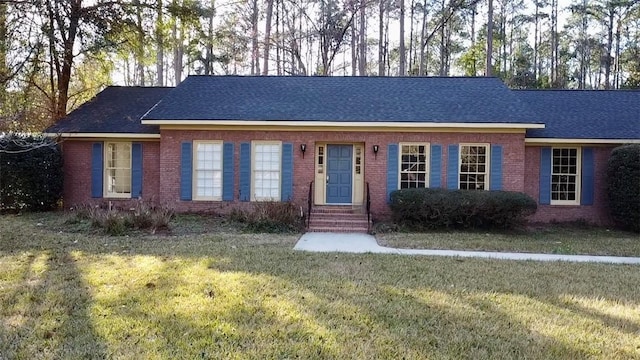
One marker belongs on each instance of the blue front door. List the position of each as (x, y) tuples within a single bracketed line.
[(339, 174)]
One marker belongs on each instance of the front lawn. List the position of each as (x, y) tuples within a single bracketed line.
[(245, 296), (552, 239)]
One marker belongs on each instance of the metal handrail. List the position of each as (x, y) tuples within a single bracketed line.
[(368, 208), (309, 203)]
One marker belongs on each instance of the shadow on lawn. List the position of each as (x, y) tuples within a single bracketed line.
[(431, 308), (457, 316), (46, 314)]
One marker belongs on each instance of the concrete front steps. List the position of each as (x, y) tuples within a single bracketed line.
[(342, 219)]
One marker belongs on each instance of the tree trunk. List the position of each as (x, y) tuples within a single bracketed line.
[(354, 51), (607, 64), (178, 52), (473, 37), (159, 46), (411, 41), (503, 36), (64, 71), (535, 41), (616, 79), (255, 61), (362, 59), (208, 61), (381, 39), (554, 43), (140, 44), (443, 46), (267, 38), (423, 34), (403, 60), (4, 71), (488, 67)]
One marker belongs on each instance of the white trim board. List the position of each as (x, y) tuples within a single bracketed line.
[(536, 141), (364, 124), (105, 135)]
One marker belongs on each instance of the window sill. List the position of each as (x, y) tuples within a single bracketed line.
[(117, 196), (564, 203)]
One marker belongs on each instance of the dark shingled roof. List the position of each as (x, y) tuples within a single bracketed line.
[(114, 110), (584, 114), (343, 99)]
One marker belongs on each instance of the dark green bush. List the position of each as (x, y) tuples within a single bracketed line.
[(30, 173), (623, 186), (271, 217), (425, 209)]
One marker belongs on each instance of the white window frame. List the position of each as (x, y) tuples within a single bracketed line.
[(106, 170), (427, 159), (196, 170), (487, 168), (578, 176), (254, 196)]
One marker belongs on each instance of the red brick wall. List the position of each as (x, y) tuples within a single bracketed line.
[(77, 170), (375, 166), (596, 213), (520, 168)]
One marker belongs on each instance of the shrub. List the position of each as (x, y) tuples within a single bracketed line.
[(271, 217), (119, 222), (31, 173), (424, 209), (623, 186), (151, 217)]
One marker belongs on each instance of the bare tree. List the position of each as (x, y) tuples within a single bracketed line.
[(267, 37)]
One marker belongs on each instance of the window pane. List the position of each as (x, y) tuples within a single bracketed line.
[(208, 170), (413, 165), (473, 167), (266, 169), (564, 175), (118, 168)]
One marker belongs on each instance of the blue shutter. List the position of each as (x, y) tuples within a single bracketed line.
[(452, 167), (392, 169), (97, 168), (136, 170), (286, 193), (435, 174), (495, 173), (186, 171), (227, 172), (545, 176), (245, 171), (586, 197)]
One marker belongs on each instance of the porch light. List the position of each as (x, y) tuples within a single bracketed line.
[(375, 150), (303, 148)]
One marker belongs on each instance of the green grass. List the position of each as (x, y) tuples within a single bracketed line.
[(245, 296), (554, 239)]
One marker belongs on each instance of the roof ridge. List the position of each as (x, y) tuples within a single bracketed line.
[(340, 76)]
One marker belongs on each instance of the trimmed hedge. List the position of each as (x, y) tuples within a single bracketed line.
[(30, 173), (623, 186), (425, 209)]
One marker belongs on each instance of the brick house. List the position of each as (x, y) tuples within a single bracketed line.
[(215, 143)]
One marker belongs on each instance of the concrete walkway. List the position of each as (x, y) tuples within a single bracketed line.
[(363, 243)]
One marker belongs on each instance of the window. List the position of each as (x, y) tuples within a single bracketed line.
[(564, 176), (207, 170), (266, 171), (118, 170), (474, 167), (413, 165)]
